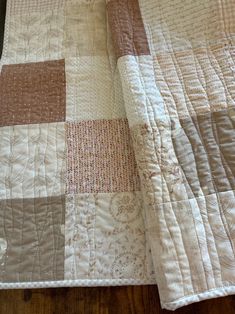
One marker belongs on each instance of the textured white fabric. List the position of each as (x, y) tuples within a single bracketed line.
[(102, 98)]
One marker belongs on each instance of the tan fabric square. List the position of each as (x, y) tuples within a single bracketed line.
[(31, 233), (205, 149), (101, 157), (86, 29), (32, 93)]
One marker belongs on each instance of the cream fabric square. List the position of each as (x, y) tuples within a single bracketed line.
[(94, 89), (105, 237), (34, 36), (32, 160)]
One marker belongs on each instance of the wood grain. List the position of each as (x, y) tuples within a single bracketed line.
[(108, 300)]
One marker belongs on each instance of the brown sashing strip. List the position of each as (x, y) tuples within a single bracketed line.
[(127, 28)]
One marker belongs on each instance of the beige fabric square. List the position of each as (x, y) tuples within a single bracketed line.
[(86, 29), (105, 237), (179, 25), (102, 97), (32, 160), (34, 36)]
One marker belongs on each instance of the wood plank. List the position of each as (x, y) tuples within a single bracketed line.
[(105, 300)]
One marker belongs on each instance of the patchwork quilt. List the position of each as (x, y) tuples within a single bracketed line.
[(117, 146)]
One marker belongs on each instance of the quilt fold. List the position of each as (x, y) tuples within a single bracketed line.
[(117, 146), (176, 62)]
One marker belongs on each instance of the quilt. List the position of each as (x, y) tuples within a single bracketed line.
[(117, 146)]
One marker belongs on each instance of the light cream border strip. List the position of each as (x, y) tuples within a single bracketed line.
[(75, 283)]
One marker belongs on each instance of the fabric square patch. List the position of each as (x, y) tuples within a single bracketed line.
[(32, 160), (105, 237), (86, 29), (101, 157), (32, 239), (32, 93), (93, 83), (35, 36), (205, 149)]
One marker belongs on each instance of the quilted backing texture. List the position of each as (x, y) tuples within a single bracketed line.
[(179, 99)]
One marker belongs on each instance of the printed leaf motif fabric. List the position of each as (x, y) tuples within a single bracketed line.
[(71, 208), (117, 146)]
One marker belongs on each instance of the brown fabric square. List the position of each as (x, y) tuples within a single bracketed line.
[(101, 157), (32, 93), (127, 28), (32, 239)]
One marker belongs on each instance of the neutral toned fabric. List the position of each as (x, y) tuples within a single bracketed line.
[(179, 100), (71, 204), (33, 239), (117, 146)]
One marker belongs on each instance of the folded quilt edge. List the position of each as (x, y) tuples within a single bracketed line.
[(206, 295)]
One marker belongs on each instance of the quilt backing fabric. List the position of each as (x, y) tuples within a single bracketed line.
[(117, 146)]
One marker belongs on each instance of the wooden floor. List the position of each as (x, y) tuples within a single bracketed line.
[(109, 300)]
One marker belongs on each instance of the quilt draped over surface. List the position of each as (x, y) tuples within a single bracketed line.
[(117, 146)]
